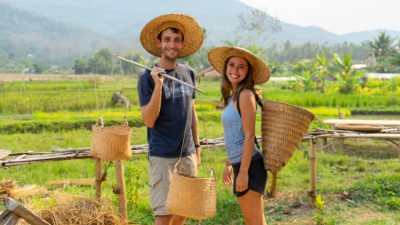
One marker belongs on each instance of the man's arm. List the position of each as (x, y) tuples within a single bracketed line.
[(195, 133), (151, 111)]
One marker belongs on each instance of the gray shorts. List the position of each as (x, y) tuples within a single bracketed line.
[(160, 172)]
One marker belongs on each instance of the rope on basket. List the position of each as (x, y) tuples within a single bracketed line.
[(179, 163)]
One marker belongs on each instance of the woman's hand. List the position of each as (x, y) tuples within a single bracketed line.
[(227, 175), (242, 182)]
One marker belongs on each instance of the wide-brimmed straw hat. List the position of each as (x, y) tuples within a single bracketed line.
[(219, 55), (191, 30)]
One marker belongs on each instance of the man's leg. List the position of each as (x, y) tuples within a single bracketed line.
[(170, 220), (189, 164), (160, 170), (163, 220), (159, 175), (178, 220)]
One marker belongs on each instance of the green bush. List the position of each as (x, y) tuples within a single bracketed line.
[(376, 111)]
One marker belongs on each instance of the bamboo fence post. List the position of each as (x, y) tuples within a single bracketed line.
[(313, 170), (99, 178), (24, 213), (341, 140), (324, 142), (119, 169)]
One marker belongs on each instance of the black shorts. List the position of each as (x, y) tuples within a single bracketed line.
[(257, 176)]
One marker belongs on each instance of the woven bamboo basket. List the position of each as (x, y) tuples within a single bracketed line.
[(111, 143), (192, 196), (282, 127)]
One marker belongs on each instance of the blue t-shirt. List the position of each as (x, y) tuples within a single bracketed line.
[(165, 138)]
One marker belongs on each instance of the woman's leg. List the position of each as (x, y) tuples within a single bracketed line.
[(252, 207)]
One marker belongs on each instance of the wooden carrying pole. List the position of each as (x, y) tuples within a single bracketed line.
[(164, 74), (119, 169)]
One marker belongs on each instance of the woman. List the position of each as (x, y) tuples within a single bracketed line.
[(241, 70)]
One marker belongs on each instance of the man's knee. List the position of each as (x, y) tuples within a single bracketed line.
[(163, 220), (178, 220)]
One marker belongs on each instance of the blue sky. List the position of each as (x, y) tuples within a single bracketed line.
[(337, 16)]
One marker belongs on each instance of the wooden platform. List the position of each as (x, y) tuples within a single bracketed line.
[(385, 123)]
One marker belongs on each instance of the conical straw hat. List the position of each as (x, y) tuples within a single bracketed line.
[(191, 30), (219, 55)]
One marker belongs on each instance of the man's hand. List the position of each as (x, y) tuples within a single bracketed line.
[(198, 156), (156, 75)]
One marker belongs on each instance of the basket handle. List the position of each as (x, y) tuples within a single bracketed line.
[(178, 166), (125, 120), (212, 172), (101, 121)]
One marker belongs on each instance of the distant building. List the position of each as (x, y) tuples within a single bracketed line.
[(27, 70), (209, 72), (384, 76), (359, 66), (53, 69), (371, 60)]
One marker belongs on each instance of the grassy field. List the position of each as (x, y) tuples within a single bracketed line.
[(359, 183), (347, 181)]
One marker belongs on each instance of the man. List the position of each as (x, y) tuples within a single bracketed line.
[(167, 107)]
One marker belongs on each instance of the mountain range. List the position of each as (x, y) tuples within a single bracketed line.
[(82, 27)]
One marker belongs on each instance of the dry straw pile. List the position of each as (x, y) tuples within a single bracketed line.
[(69, 209), (84, 211), (10, 188)]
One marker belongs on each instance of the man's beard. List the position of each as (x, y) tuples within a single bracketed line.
[(167, 57)]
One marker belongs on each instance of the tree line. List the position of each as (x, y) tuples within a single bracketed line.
[(381, 54)]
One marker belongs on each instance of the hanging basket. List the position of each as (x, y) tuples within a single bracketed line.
[(111, 143), (282, 128), (192, 196)]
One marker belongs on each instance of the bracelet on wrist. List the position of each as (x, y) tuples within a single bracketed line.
[(196, 145)]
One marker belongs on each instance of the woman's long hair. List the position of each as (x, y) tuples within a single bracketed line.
[(226, 86)]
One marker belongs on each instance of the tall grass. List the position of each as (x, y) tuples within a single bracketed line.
[(51, 96), (316, 99)]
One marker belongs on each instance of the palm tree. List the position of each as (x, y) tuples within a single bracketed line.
[(348, 77), (395, 60), (382, 46), (322, 68)]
